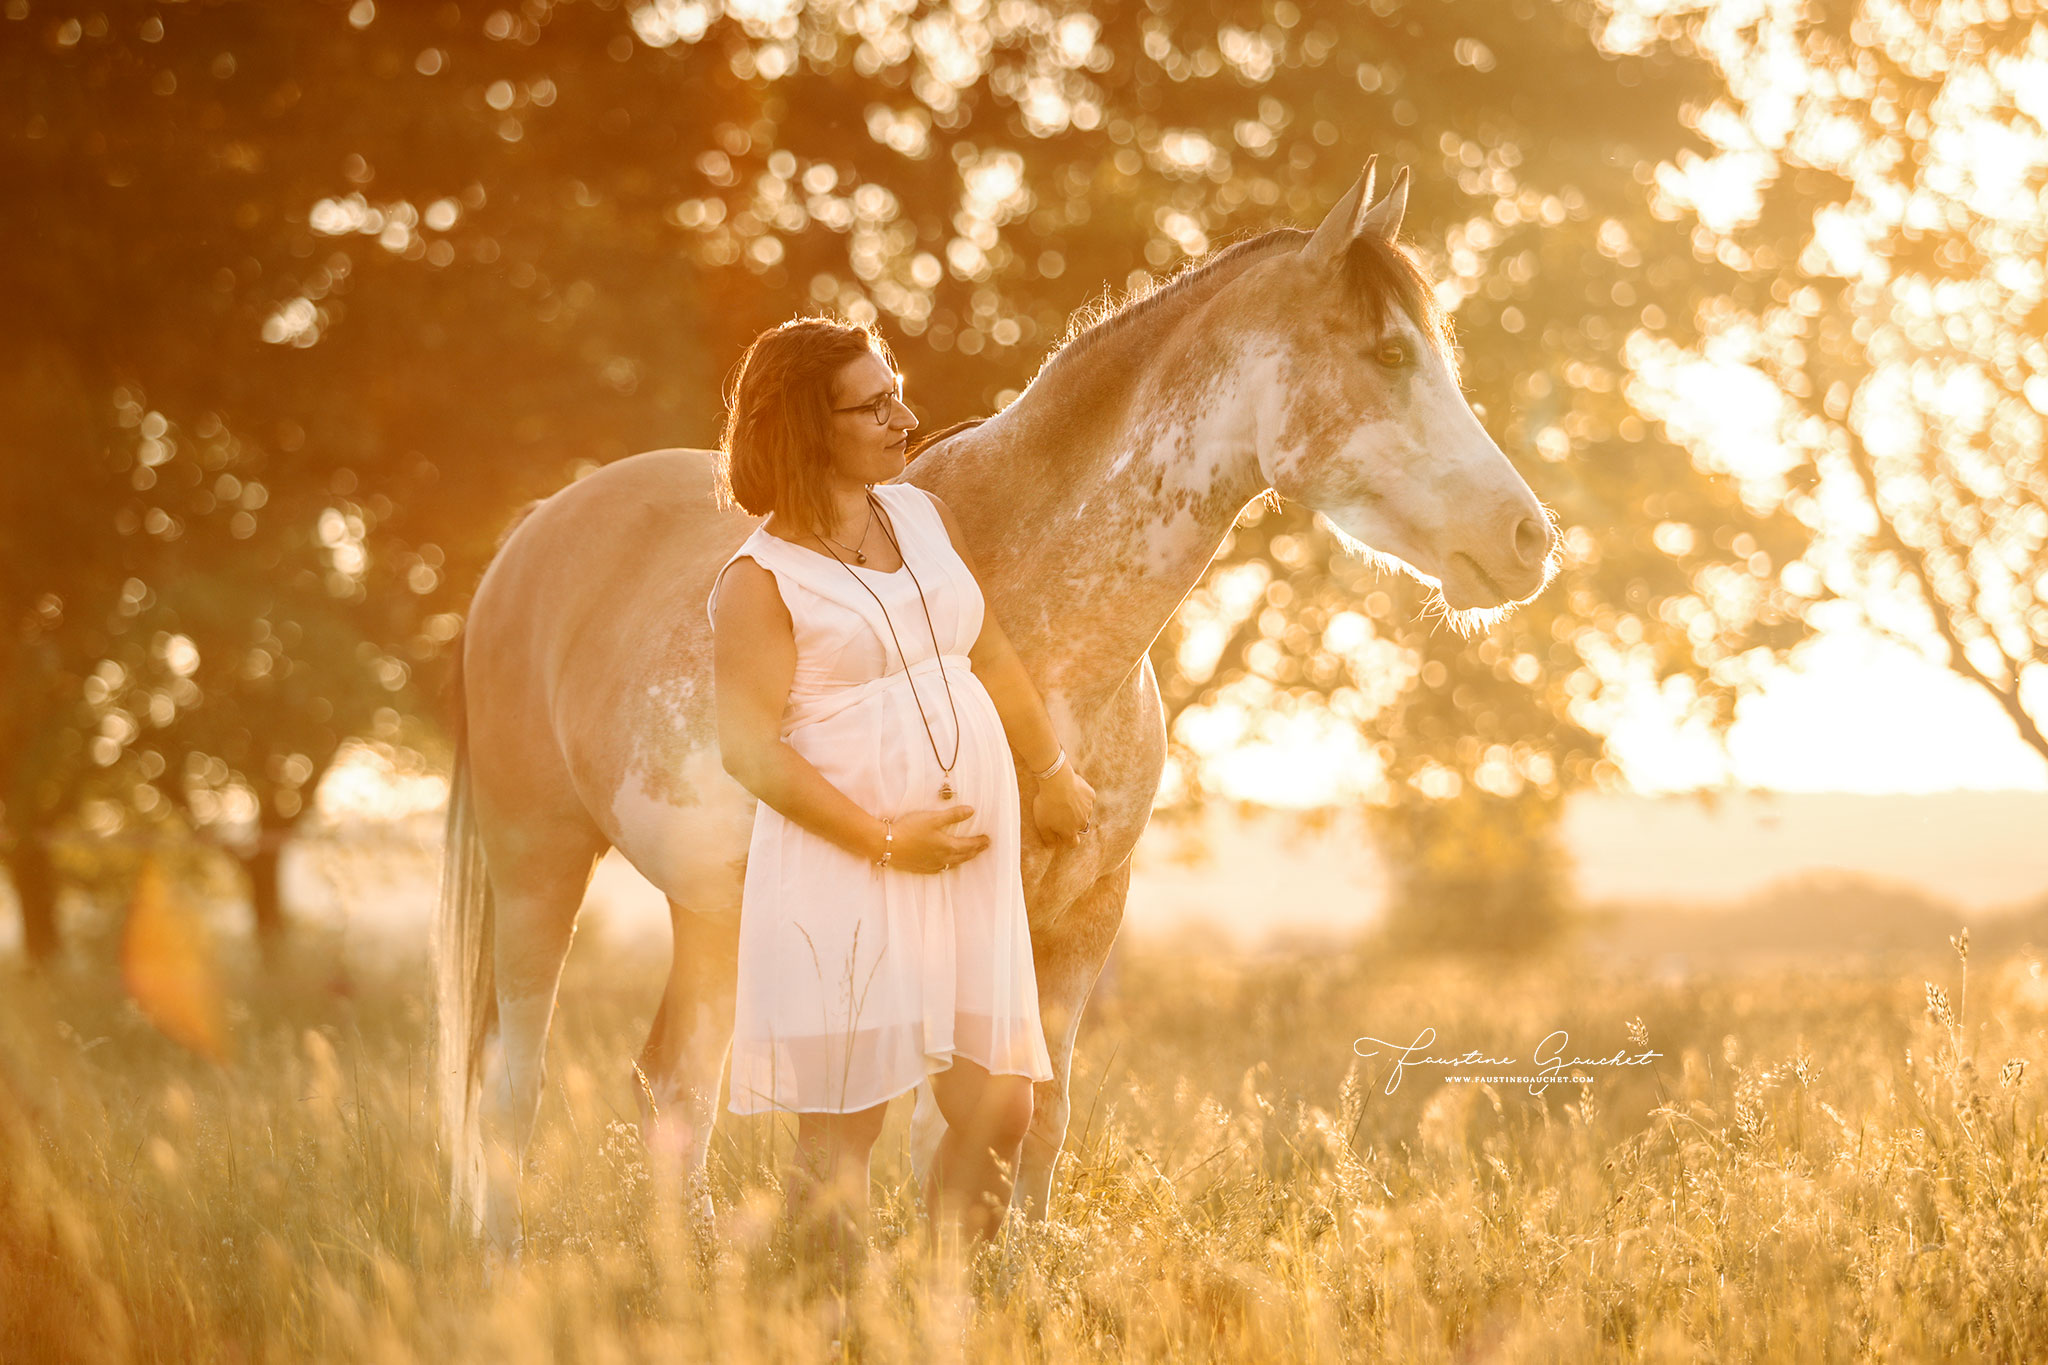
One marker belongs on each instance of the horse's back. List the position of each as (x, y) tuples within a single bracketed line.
[(627, 538), (678, 486)]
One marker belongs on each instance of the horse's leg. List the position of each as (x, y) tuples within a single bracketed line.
[(685, 1057), (1067, 958), (538, 876)]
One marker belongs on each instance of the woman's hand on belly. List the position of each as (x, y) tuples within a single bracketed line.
[(925, 841)]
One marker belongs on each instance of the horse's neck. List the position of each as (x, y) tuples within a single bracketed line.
[(1096, 500)]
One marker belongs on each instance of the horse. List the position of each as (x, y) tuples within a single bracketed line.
[(1316, 366)]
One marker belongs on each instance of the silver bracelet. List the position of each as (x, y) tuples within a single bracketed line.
[(1057, 764), (888, 840)]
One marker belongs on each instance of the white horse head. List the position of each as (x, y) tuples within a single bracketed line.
[(1367, 423)]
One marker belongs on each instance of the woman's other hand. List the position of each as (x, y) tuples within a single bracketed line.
[(1064, 806), (925, 841)]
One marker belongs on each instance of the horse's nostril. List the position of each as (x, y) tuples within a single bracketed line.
[(1532, 540)]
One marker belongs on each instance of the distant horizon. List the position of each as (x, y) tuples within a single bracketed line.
[(362, 787), (1973, 850), (1976, 850)]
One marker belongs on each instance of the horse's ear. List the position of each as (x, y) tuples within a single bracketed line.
[(1384, 217), (1333, 238)]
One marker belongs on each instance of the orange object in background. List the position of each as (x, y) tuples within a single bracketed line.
[(168, 967)]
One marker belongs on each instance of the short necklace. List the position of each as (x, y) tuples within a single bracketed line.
[(945, 787), (859, 555)]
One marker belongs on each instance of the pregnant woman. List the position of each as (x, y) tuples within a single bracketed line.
[(868, 699)]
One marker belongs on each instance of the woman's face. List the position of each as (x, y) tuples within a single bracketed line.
[(863, 450)]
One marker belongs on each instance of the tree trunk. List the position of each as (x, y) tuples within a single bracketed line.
[(35, 886), (266, 900)]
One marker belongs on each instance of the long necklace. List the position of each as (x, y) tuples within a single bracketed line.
[(945, 787)]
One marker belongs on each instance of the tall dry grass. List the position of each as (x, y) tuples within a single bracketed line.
[(1822, 1166)]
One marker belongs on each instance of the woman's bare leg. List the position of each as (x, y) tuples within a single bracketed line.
[(986, 1120), (827, 1188)]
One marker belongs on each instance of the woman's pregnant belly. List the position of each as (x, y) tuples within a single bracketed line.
[(878, 752)]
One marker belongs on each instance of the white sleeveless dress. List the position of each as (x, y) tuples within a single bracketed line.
[(856, 982)]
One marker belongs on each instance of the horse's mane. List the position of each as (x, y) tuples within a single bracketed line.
[(1109, 313), (1379, 277), (917, 447)]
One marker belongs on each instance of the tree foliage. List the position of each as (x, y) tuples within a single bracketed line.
[(1891, 287), (328, 290)]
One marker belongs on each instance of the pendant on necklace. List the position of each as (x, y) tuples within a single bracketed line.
[(945, 791)]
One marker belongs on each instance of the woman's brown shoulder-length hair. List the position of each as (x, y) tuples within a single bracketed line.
[(775, 451)]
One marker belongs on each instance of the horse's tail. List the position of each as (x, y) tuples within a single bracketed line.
[(464, 953), (465, 985), (465, 991)]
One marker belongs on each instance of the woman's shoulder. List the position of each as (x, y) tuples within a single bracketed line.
[(908, 491), (775, 553), (752, 579), (940, 517), (919, 500), (745, 579)]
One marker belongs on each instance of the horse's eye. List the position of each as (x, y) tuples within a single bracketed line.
[(1391, 354)]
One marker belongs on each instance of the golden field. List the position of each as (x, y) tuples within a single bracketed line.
[(1823, 1165)]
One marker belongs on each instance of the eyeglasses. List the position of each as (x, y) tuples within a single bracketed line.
[(881, 407)]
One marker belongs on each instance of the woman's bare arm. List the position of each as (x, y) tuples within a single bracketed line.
[(754, 666)]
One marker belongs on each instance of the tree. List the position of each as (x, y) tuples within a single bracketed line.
[(1891, 290), (69, 653), (131, 631), (169, 543), (420, 264)]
